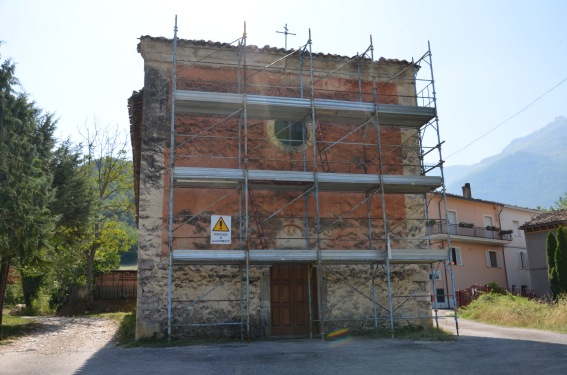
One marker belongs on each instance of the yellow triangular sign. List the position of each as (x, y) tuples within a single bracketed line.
[(220, 226)]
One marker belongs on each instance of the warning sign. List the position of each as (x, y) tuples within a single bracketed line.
[(220, 229)]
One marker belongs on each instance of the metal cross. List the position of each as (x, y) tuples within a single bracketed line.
[(286, 32)]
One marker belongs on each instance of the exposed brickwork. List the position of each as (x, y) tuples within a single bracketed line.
[(205, 141)]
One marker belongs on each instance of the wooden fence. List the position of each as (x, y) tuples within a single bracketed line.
[(116, 285)]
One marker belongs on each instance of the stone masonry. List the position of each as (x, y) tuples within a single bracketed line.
[(214, 142)]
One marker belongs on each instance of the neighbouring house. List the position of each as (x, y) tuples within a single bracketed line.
[(536, 231), (280, 192), (486, 243), (516, 252)]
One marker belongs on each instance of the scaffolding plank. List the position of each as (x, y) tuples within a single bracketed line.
[(308, 256), (225, 178), (401, 256), (287, 108)]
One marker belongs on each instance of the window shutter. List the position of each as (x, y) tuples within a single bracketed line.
[(459, 260), (487, 257), (526, 263), (520, 263), (498, 260)]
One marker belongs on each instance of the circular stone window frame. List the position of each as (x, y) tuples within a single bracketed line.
[(271, 130)]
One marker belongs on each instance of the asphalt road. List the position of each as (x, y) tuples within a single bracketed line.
[(480, 349)]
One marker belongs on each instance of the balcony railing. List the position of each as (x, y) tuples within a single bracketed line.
[(476, 232)]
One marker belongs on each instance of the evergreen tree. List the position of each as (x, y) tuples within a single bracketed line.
[(551, 247), (73, 204), (561, 260), (26, 140)]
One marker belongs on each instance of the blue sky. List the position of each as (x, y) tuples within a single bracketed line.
[(491, 59)]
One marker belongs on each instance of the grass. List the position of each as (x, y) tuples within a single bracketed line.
[(125, 335), (515, 311), (15, 326)]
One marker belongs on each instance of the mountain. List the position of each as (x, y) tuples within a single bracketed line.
[(531, 171)]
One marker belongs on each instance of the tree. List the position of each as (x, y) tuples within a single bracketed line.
[(561, 203), (112, 178), (26, 140), (73, 204), (561, 260), (550, 249)]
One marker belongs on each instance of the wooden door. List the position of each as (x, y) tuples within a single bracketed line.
[(290, 300)]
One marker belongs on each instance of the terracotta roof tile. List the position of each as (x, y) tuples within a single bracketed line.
[(548, 218), (266, 48)]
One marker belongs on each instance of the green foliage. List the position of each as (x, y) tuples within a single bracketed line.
[(64, 212), (115, 238), (561, 260), (560, 204), (127, 329), (14, 295), (550, 248), (517, 311), (111, 176), (496, 289), (26, 142)]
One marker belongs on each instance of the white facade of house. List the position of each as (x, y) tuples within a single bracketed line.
[(516, 253)]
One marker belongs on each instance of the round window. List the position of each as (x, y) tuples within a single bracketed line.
[(291, 133)]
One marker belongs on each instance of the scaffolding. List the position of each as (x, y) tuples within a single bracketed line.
[(343, 147)]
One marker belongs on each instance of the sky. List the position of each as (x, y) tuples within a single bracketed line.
[(500, 67)]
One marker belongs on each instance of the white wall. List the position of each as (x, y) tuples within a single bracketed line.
[(510, 218)]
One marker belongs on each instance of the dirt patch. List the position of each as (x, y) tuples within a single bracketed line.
[(65, 334)]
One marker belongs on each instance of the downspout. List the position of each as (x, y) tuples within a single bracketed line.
[(503, 251)]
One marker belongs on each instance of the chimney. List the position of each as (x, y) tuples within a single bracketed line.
[(467, 190)]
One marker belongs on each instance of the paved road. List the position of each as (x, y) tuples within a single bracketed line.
[(481, 349)]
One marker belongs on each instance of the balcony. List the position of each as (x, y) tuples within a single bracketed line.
[(466, 233)]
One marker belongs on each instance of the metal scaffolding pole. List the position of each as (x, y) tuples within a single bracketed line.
[(443, 191), (382, 198), (246, 153), (316, 177), (171, 166), (246, 186)]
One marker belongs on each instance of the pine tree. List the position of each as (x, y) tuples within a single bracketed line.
[(561, 260)]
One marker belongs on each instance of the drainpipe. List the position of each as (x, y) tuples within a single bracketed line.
[(503, 251)]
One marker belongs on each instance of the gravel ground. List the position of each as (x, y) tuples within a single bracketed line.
[(63, 334), (84, 346)]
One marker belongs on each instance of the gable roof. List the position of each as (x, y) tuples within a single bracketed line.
[(547, 218)]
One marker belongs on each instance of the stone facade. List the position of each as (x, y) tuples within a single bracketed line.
[(213, 293)]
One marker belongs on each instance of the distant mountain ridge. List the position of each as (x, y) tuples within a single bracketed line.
[(531, 171)]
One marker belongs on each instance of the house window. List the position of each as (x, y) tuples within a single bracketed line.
[(516, 225), (452, 222), (435, 275), (493, 259), (523, 260), (456, 256), (291, 133), (440, 295)]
